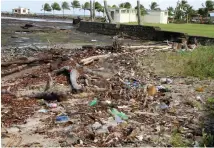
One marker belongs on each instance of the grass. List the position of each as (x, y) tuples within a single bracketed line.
[(191, 29), (198, 63), (177, 141)]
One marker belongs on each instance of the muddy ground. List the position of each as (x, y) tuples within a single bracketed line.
[(153, 111)]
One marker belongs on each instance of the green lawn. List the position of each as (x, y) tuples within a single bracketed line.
[(191, 29)]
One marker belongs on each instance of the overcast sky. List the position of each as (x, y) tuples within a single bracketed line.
[(35, 6)]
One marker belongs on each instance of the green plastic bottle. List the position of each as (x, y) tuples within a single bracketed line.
[(93, 102), (115, 112)]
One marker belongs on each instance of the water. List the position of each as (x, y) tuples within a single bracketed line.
[(38, 20)]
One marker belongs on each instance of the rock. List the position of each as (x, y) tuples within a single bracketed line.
[(13, 130), (96, 125), (14, 36)]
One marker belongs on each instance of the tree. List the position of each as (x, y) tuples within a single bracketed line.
[(209, 5), (143, 10), (189, 12), (75, 4), (125, 5), (203, 12), (107, 12), (46, 7), (114, 6), (170, 11), (65, 6), (55, 6), (154, 6), (86, 6), (98, 7)]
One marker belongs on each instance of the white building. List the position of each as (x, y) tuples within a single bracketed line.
[(212, 16), (21, 11), (123, 15), (156, 17)]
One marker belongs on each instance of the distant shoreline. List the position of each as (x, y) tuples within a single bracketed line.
[(38, 16)]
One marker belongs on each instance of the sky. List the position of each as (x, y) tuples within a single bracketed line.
[(35, 6)]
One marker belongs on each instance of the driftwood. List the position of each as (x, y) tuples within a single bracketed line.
[(143, 46), (28, 61), (72, 76), (97, 47), (13, 70), (94, 58)]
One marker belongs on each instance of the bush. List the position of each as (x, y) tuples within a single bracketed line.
[(198, 63)]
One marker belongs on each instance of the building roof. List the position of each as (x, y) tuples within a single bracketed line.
[(20, 8), (121, 9), (157, 10)]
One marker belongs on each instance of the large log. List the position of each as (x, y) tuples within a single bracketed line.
[(94, 58), (13, 70), (143, 46), (28, 61)]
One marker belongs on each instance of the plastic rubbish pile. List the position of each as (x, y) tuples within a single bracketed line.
[(106, 102)]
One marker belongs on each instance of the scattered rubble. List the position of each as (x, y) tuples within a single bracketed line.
[(96, 96)]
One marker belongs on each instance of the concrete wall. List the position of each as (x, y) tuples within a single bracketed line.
[(156, 17), (20, 11), (124, 15), (142, 32)]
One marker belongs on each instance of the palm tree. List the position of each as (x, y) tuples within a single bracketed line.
[(55, 6), (65, 6), (75, 4), (170, 11), (142, 9), (46, 7), (125, 5), (154, 6), (86, 6)]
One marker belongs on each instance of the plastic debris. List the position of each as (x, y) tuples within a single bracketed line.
[(166, 81), (62, 119), (163, 106), (94, 40), (118, 119), (108, 102), (151, 90), (200, 89), (93, 102), (43, 111), (133, 83), (115, 112), (162, 89), (52, 105)]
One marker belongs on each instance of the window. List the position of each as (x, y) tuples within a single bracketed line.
[(123, 11), (15, 10), (117, 11), (166, 13), (24, 11)]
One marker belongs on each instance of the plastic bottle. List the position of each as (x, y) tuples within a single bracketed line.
[(93, 102)]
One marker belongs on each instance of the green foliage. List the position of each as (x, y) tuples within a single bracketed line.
[(47, 7), (86, 6), (154, 6), (56, 6), (177, 141), (198, 63), (125, 5), (98, 7), (170, 11), (65, 6), (209, 5), (114, 6), (75, 4), (143, 10), (207, 140)]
